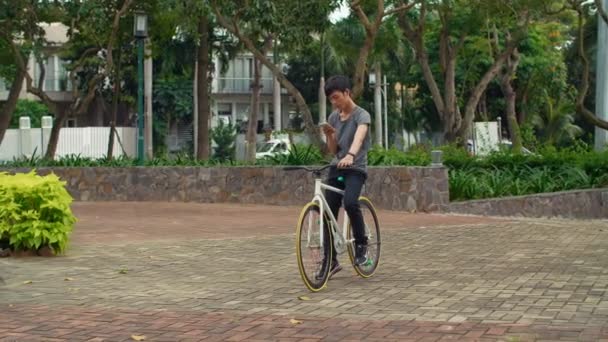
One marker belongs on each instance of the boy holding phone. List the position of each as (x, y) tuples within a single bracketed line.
[(347, 137)]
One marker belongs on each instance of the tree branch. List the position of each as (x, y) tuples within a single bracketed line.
[(114, 32), (402, 8), (77, 66), (356, 7), (22, 65), (584, 86)]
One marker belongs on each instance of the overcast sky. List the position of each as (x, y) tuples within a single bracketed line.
[(341, 12)]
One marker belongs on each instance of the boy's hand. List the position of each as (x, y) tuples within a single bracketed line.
[(345, 162), (327, 129)]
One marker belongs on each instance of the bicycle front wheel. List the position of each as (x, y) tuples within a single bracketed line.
[(372, 232), (313, 249)]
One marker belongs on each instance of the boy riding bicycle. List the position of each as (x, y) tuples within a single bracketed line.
[(347, 136)]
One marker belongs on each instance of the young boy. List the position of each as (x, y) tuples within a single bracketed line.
[(347, 136)]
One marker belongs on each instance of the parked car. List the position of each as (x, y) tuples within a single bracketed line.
[(502, 145), (507, 145), (272, 147)]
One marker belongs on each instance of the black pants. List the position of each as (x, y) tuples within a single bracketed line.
[(351, 181)]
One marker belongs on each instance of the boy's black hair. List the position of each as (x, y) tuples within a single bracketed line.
[(337, 82)]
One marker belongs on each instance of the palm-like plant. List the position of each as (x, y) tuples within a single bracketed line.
[(555, 125)]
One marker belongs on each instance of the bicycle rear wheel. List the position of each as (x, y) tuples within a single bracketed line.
[(372, 231), (313, 255)]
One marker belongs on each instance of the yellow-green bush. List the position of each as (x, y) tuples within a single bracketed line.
[(35, 211)]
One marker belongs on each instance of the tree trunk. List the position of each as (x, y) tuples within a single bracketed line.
[(416, 39), (451, 114), (510, 99), (54, 138), (252, 127), (523, 109), (109, 154), (202, 152), (7, 110), (115, 96), (469, 112), (360, 67)]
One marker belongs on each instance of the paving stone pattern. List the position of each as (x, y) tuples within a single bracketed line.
[(507, 280)]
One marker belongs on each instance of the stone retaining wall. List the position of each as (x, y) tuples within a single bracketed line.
[(422, 189), (586, 204)]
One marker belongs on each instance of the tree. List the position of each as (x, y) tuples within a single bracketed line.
[(91, 44), (455, 22), (18, 20), (346, 43), (290, 23), (372, 27), (584, 9), (193, 22), (505, 77)]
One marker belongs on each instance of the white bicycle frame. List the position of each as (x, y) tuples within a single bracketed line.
[(319, 198)]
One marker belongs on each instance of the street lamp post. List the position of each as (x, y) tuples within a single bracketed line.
[(140, 31), (383, 90), (601, 89), (385, 93)]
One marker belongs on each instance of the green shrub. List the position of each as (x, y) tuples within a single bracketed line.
[(35, 211), (378, 156), (224, 136)]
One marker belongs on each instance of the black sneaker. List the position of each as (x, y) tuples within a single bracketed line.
[(335, 268), (360, 255)]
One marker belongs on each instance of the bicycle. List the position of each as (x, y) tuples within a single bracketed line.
[(312, 230)]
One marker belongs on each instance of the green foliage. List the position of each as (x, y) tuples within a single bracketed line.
[(180, 159), (505, 174), (34, 109), (224, 135), (378, 156), (172, 102), (35, 211)]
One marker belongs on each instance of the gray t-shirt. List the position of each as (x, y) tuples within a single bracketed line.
[(345, 134)]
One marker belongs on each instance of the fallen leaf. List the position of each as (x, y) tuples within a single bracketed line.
[(295, 321), (138, 337), (123, 271), (68, 279), (304, 298), (27, 282)]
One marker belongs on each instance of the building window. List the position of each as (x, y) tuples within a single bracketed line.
[(224, 109), (55, 74)]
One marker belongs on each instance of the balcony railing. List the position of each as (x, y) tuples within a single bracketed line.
[(228, 85), (50, 84), (57, 84)]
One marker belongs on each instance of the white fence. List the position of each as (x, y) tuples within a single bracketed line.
[(89, 142)]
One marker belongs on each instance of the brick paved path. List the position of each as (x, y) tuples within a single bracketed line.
[(172, 272)]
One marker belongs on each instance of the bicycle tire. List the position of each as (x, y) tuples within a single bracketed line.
[(374, 241), (310, 271)]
